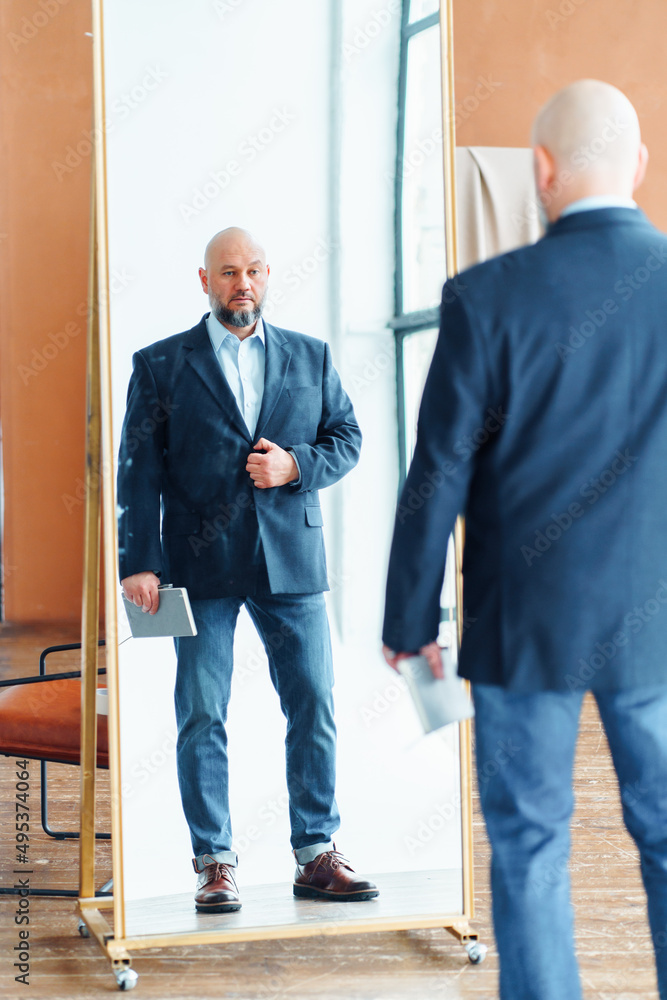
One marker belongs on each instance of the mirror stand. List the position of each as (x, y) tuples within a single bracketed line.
[(409, 900)]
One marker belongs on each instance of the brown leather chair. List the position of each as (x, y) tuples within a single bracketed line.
[(40, 719)]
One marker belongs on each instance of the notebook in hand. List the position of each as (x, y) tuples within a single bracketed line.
[(438, 701), (173, 616)]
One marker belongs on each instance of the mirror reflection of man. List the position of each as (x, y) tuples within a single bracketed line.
[(566, 526), (253, 422)]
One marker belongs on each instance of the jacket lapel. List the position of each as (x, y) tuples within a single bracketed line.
[(278, 357), (202, 358)]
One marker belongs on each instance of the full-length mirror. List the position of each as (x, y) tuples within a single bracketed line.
[(219, 114)]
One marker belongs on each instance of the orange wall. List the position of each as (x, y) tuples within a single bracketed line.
[(527, 49), (45, 103)]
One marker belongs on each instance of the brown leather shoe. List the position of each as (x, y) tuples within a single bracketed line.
[(217, 891), (330, 876)]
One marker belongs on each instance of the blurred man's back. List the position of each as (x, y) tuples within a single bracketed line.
[(558, 353)]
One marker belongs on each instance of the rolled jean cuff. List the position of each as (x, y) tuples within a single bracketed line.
[(304, 855), (224, 857)]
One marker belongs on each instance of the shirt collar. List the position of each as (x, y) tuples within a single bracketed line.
[(597, 201), (217, 332)]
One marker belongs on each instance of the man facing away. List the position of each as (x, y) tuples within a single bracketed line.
[(564, 344), (248, 422)]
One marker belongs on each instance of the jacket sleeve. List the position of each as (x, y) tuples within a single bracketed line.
[(456, 396), (336, 449), (140, 474)]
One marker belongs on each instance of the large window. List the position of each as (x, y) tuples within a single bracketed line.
[(420, 235), (419, 218)]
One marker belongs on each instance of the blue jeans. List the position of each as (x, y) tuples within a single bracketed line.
[(294, 630), (525, 754)]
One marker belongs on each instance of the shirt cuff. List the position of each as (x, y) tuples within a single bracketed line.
[(294, 482)]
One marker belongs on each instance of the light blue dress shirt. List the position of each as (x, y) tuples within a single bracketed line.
[(597, 201), (243, 363)]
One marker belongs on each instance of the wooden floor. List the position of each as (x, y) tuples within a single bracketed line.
[(614, 946)]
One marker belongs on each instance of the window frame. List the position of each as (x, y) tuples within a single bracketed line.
[(418, 321), (405, 324)]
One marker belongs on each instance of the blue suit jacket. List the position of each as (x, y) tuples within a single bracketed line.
[(544, 420), (184, 450)]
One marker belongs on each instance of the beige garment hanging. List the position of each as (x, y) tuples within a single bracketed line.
[(496, 202)]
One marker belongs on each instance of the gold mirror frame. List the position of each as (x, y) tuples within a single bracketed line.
[(99, 470)]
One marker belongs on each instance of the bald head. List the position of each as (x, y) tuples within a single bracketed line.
[(589, 132), (235, 277), (232, 241)]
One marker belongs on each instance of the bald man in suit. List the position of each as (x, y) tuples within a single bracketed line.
[(565, 565), (231, 430)]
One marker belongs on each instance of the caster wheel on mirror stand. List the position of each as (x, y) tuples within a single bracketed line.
[(126, 978), (476, 952)]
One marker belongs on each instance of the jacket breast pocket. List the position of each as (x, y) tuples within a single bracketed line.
[(314, 516)]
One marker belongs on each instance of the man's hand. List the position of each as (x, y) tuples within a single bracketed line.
[(275, 468), (431, 651), (141, 589)]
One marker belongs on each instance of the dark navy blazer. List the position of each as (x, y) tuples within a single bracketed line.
[(184, 450), (544, 421)]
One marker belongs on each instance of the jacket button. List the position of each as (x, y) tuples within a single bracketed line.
[(251, 507)]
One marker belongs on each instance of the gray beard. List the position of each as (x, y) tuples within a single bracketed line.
[(237, 317)]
